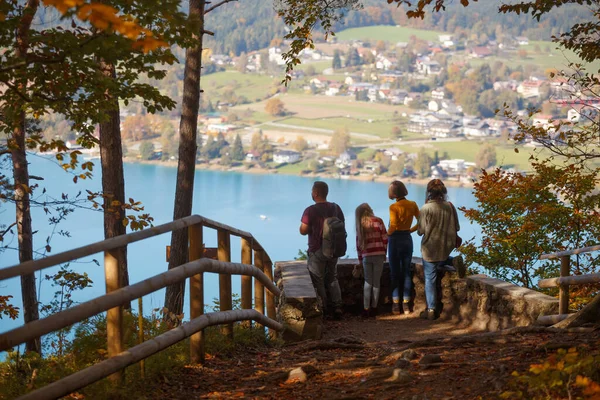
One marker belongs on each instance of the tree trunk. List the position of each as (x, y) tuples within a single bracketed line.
[(21, 181), (113, 181), (186, 165), (23, 214)]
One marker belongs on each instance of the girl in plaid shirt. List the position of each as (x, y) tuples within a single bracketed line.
[(371, 245)]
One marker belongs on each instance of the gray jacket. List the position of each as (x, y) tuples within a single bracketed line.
[(438, 224)]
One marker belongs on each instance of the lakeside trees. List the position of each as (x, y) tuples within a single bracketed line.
[(68, 70)]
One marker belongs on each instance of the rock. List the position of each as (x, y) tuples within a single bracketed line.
[(296, 375), (400, 376), (409, 354), (402, 364), (310, 370), (430, 359)]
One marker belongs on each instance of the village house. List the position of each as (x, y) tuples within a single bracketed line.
[(357, 87), (522, 40), (320, 82), (393, 152), (352, 79), (397, 96), (333, 89), (453, 167), (480, 52), (426, 66), (385, 62), (500, 86), (345, 159), (220, 128), (530, 88), (286, 156), (476, 128), (275, 56), (389, 76), (220, 59), (446, 40), (438, 93)]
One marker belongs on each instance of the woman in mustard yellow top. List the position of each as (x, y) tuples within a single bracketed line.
[(400, 246)]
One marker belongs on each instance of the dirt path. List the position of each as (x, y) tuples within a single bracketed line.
[(365, 359)]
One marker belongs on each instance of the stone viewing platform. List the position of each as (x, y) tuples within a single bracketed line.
[(477, 302)]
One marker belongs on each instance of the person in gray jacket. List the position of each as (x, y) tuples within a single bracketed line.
[(438, 225)]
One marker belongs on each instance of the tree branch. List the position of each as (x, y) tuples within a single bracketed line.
[(7, 229), (219, 4)]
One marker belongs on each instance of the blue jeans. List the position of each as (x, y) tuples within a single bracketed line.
[(434, 273), (400, 250)]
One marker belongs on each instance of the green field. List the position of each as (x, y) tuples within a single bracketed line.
[(387, 33), (251, 86), (467, 150)]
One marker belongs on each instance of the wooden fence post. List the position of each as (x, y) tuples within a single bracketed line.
[(141, 333), (114, 316), (271, 311), (259, 289), (224, 254), (195, 252), (563, 299), (246, 280)]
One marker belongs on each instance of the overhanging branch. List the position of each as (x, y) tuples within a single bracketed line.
[(219, 4)]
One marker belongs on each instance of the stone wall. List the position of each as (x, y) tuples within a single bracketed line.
[(477, 301)]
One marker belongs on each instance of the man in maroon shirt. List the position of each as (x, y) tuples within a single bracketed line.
[(323, 270)]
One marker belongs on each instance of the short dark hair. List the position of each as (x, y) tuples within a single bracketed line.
[(321, 189), (397, 190), (436, 190)]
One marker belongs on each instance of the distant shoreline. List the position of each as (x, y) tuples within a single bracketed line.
[(255, 170)]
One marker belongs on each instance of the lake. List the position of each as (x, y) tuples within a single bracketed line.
[(236, 199)]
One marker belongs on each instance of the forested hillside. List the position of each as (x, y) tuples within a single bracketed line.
[(250, 25)]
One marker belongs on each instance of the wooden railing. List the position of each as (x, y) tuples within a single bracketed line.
[(564, 281), (116, 296)]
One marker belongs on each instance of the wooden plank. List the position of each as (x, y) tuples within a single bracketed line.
[(246, 288), (225, 300), (114, 316), (548, 320), (563, 295), (270, 297), (570, 252), (259, 289), (570, 280), (196, 252), (98, 371), (100, 304), (141, 333)]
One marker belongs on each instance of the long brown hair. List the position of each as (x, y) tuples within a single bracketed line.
[(436, 190), (364, 212)]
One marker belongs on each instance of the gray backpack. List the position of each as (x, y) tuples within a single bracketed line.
[(334, 236)]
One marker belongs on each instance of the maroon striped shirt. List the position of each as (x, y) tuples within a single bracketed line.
[(376, 240)]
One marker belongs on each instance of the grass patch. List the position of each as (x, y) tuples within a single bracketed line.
[(467, 150), (387, 33)]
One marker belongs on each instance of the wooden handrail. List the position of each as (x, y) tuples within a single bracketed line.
[(112, 365), (565, 280), (126, 294), (570, 252), (570, 280), (30, 267)]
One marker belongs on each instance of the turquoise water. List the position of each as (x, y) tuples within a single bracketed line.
[(235, 199)]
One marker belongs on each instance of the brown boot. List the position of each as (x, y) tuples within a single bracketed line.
[(395, 308)]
